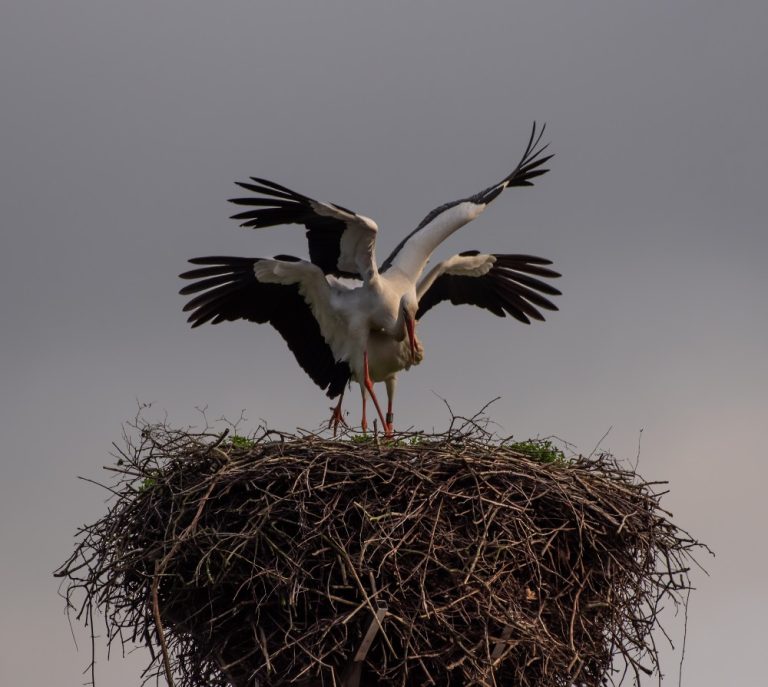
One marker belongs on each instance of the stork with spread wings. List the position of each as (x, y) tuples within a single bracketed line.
[(341, 315)]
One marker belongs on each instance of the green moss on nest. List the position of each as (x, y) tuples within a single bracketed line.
[(542, 450)]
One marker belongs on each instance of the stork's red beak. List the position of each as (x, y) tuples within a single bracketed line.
[(410, 326)]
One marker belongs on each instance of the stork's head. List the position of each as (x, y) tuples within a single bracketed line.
[(408, 308)]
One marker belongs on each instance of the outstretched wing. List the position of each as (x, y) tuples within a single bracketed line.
[(341, 242), (227, 289), (499, 283), (411, 255)]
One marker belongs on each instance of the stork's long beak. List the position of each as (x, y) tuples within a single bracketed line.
[(410, 328)]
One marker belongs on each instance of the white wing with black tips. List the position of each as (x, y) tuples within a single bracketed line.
[(501, 283), (411, 255), (227, 289), (341, 242)]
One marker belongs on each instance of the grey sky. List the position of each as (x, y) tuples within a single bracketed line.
[(124, 124)]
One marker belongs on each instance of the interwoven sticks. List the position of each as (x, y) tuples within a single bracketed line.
[(448, 560)]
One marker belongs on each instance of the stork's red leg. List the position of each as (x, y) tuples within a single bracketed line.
[(369, 387), (336, 416), (390, 382), (364, 421)]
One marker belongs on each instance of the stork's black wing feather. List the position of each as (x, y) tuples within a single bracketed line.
[(508, 287), (227, 290), (529, 167), (326, 223)]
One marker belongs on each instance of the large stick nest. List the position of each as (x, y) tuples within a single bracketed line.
[(268, 561)]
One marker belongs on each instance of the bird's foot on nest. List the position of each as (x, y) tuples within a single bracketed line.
[(388, 428), (337, 419)]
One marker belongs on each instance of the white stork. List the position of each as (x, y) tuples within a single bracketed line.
[(364, 330)]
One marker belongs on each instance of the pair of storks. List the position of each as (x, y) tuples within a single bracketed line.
[(364, 329)]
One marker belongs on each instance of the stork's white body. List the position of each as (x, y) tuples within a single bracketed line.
[(353, 319)]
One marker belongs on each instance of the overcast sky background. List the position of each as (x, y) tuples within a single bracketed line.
[(124, 124)]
